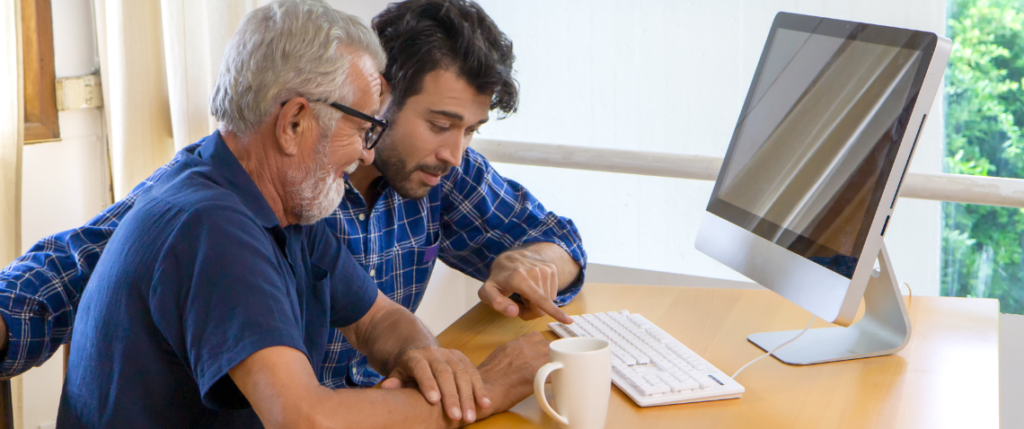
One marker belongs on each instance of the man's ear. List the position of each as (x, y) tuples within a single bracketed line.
[(294, 123)]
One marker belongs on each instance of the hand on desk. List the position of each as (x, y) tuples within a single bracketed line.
[(507, 374), (534, 279), (436, 369)]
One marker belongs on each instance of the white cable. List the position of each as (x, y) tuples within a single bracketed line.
[(775, 350)]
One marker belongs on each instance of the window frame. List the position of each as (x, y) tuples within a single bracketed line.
[(40, 103)]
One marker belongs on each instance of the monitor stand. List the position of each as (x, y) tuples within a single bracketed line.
[(884, 329)]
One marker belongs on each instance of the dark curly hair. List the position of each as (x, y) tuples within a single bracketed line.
[(420, 36)]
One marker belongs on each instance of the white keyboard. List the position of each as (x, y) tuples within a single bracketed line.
[(649, 365)]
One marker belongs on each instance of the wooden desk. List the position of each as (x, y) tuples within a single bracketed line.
[(947, 376)]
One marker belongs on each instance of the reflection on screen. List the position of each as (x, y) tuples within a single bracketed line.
[(815, 143)]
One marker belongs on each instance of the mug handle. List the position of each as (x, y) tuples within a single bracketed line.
[(538, 390)]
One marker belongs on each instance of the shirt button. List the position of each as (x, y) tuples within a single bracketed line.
[(362, 216), (372, 272)]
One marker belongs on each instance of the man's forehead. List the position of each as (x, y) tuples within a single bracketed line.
[(447, 94), (367, 83)]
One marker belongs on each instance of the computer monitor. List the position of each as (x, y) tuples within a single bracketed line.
[(810, 180)]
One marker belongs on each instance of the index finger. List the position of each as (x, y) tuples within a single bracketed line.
[(545, 304)]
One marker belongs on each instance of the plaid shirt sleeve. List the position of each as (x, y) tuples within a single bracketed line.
[(39, 291), (484, 214)]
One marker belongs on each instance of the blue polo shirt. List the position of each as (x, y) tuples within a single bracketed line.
[(199, 276)]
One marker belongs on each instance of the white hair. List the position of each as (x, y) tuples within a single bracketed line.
[(286, 49)]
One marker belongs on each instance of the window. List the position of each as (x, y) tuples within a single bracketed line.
[(982, 245)]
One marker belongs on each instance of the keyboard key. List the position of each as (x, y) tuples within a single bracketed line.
[(576, 330), (651, 378), (659, 388), (623, 356), (623, 370), (678, 386)]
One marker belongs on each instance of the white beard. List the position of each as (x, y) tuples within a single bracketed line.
[(352, 168), (319, 191), (318, 196)]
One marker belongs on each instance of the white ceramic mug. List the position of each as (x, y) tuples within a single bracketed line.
[(581, 381)]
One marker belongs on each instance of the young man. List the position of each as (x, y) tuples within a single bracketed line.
[(212, 303), (426, 196)]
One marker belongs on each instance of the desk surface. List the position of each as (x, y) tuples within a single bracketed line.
[(947, 376)]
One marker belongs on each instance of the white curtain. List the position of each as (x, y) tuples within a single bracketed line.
[(195, 33), (12, 120), (159, 62), (134, 90)]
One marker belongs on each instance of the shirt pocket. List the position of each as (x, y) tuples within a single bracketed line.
[(412, 268)]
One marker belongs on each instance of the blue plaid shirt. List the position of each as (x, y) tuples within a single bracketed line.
[(474, 215)]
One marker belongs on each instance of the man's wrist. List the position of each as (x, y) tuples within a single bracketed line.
[(497, 392), (552, 253)]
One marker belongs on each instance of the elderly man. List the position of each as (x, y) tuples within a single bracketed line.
[(427, 196), (213, 301)]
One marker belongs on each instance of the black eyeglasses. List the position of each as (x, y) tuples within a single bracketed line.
[(377, 126)]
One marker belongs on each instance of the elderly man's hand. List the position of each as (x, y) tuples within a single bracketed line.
[(445, 375), (536, 282), (509, 371)]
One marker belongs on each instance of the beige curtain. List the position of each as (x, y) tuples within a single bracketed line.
[(159, 62), (134, 90), (195, 33), (12, 119)]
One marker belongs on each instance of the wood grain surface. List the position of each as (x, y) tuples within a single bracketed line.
[(947, 376)]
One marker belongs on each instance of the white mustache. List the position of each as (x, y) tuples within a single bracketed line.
[(352, 168)]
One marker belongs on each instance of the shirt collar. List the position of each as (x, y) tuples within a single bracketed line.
[(235, 179)]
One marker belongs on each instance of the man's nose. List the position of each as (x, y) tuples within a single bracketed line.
[(451, 152), (366, 156)]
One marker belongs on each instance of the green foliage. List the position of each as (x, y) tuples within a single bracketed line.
[(981, 245)]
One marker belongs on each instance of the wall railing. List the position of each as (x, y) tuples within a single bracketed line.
[(958, 188)]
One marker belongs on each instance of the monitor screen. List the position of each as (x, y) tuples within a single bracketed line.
[(817, 137)]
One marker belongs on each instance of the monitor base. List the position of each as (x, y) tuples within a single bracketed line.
[(884, 329)]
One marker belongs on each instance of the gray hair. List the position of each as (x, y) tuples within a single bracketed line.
[(286, 49)]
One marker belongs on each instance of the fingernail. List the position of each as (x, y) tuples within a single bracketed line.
[(456, 414), (511, 311), (432, 397), (487, 402), (470, 415)]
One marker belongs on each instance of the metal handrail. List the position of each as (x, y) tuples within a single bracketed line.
[(958, 188)]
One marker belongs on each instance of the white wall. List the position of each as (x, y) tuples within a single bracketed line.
[(65, 183), (671, 76)]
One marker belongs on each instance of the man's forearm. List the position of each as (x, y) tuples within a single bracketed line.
[(283, 390), (388, 335), (400, 331), (384, 408), (568, 269)]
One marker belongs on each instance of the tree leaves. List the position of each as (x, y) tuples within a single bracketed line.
[(981, 245)]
